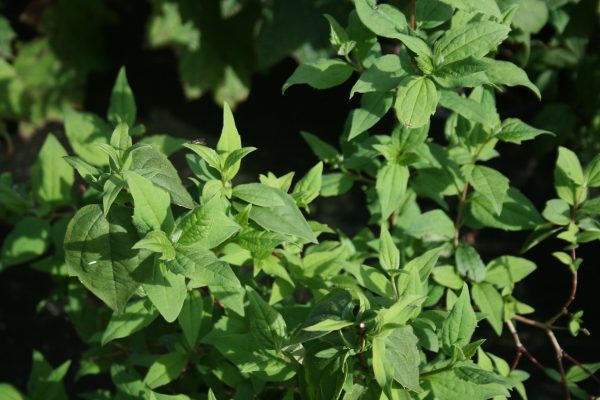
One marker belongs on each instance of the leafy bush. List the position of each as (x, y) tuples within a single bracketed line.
[(223, 289)]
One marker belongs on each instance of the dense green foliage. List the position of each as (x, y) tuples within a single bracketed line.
[(218, 289)]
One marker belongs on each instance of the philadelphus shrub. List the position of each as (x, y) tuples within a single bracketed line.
[(226, 290)]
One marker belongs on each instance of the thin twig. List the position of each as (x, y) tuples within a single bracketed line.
[(521, 349), (565, 308), (580, 365), (558, 351), (459, 215)]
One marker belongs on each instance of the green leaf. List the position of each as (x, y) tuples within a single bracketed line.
[(122, 106), (486, 7), (373, 106), (557, 211), (577, 374), (518, 213), (389, 255), (490, 302), (508, 270), (325, 371), (434, 225), (45, 382), (460, 324), (592, 173), (324, 151), (467, 107), (207, 225), (390, 185), (431, 13), (137, 315), (157, 242), (569, 180), (195, 317), (230, 139), (335, 184), (320, 74), (449, 386), (112, 188), (207, 154), (385, 74), (308, 187), (51, 176), (468, 263), (531, 16), (333, 306), (9, 392), (98, 250), (395, 356), (328, 325), (516, 131), (165, 369), (474, 39), (153, 165), (285, 218), (166, 144), (166, 290), (506, 73), (258, 194), (491, 184), (266, 324), (416, 101), (83, 131), (28, 240), (402, 310), (152, 205), (468, 72), (233, 160), (383, 19)]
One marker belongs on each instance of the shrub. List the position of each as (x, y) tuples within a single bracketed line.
[(225, 289)]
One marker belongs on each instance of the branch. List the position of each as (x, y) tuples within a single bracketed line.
[(521, 349), (412, 14), (558, 351)]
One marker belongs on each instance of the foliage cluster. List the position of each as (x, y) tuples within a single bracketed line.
[(220, 289)]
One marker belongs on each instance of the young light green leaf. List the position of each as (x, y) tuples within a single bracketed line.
[(431, 13), (335, 184), (508, 270), (373, 106), (83, 130), (165, 369), (308, 187), (328, 325), (258, 194), (230, 139), (468, 72), (207, 226), (152, 205), (449, 386), (122, 106), (112, 188), (491, 184), (569, 180), (389, 255), (474, 39), (207, 154), (490, 302), (390, 185), (416, 101), (157, 242), (232, 162), (98, 250), (460, 324), (51, 176), (385, 74), (383, 19), (320, 74), (166, 290)]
